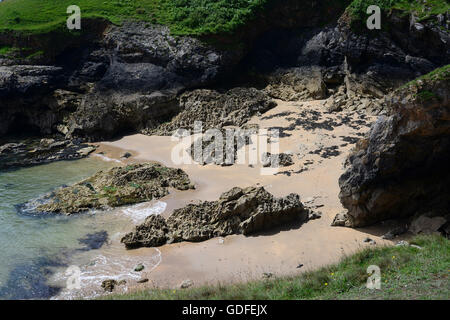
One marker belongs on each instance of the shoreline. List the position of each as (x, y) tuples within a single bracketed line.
[(278, 252)]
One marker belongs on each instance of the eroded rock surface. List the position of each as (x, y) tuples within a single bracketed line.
[(401, 168), (116, 187), (216, 110), (238, 211)]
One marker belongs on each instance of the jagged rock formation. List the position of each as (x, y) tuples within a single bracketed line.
[(37, 151), (127, 79), (401, 168), (353, 66), (216, 110), (238, 211), (118, 79), (116, 187)]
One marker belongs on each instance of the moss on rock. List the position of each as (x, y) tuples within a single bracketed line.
[(117, 187)]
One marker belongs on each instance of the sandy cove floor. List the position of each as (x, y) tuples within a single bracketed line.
[(320, 143)]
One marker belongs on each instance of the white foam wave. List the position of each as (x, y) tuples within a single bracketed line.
[(105, 158), (105, 268), (139, 212)]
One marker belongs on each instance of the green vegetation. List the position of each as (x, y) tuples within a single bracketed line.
[(184, 17), (6, 50), (438, 74), (406, 273), (421, 9), (194, 17)]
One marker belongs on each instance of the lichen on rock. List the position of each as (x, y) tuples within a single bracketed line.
[(115, 187)]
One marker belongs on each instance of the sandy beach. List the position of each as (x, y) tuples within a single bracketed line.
[(309, 136)]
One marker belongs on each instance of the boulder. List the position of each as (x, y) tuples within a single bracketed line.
[(238, 211), (401, 168), (115, 187)]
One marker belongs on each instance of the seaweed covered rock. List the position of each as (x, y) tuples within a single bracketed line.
[(117, 187), (238, 211), (216, 110), (401, 168)]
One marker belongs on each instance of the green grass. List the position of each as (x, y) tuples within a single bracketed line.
[(406, 273), (193, 17), (439, 74), (184, 17), (421, 9)]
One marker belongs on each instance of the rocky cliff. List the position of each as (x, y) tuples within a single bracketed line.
[(115, 79), (401, 168)]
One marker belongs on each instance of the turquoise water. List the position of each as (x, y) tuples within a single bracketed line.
[(30, 246)]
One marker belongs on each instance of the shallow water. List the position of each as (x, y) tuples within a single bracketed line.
[(32, 247)]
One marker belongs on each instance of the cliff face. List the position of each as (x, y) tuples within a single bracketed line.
[(130, 77), (401, 169)]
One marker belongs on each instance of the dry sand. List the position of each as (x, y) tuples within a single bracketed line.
[(314, 176)]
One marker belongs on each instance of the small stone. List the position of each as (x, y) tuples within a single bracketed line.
[(144, 280), (46, 142), (109, 285), (315, 215), (299, 266), (267, 275), (85, 151), (339, 220), (139, 267), (186, 284), (402, 243), (126, 155)]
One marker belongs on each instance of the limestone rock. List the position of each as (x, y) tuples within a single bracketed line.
[(216, 110), (238, 211), (427, 225), (401, 168), (116, 187)]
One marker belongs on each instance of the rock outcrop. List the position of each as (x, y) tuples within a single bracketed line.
[(238, 211), (28, 152), (401, 168), (353, 66), (115, 187), (128, 78), (215, 110)]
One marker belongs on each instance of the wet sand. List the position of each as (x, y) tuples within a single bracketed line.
[(319, 142)]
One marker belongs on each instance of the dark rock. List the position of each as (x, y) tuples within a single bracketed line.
[(142, 280), (277, 160), (401, 168), (139, 268), (426, 225), (399, 230), (34, 151), (109, 285)]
